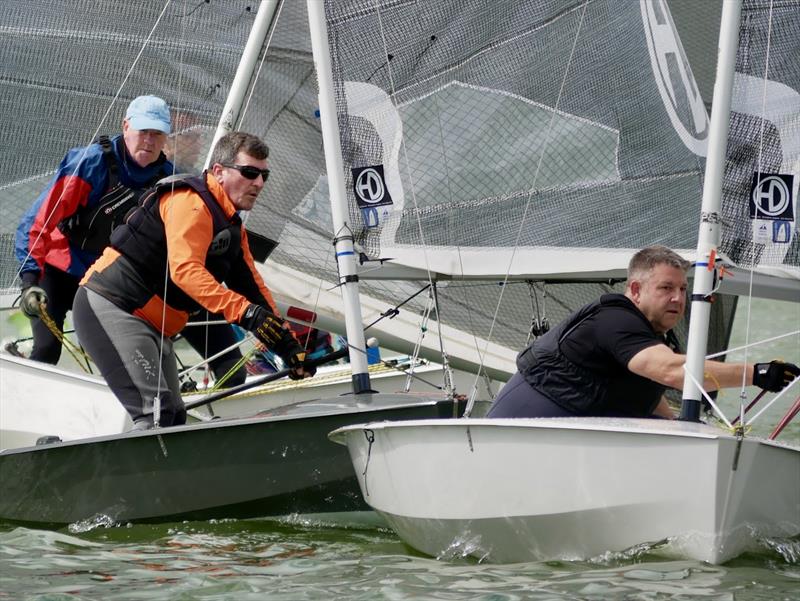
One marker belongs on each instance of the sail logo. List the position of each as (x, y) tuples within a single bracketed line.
[(781, 232), (771, 196), (369, 186), (674, 78)]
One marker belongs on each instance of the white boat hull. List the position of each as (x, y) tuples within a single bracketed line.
[(538, 489)]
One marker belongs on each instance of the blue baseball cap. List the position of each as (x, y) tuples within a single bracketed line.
[(148, 112)]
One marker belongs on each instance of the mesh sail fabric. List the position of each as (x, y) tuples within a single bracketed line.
[(511, 134), (475, 90), (764, 135), (63, 63), (496, 132)]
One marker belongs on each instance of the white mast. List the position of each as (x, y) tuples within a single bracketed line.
[(345, 254), (244, 72), (710, 221)]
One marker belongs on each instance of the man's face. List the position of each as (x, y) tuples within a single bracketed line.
[(661, 296), (243, 192), (143, 145)]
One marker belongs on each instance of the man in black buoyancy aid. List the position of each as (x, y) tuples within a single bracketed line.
[(188, 231), (617, 355), (70, 223)]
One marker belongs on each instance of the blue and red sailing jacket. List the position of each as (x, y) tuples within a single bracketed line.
[(81, 182)]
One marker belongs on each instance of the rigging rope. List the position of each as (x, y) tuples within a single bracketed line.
[(751, 270), (447, 372), (77, 353), (480, 352)]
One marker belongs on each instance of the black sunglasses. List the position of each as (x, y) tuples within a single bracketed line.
[(249, 172)]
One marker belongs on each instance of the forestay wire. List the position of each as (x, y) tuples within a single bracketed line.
[(532, 187), (448, 379), (522, 223), (753, 259)]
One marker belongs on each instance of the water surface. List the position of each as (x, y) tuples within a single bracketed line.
[(288, 560)]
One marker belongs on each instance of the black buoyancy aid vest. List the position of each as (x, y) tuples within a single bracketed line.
[(571, 386), (142, 241), (89, 228)]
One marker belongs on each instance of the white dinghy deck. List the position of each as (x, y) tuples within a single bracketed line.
[(39, 400), (574, 488)]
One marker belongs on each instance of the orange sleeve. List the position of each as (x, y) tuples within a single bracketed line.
[(188, 226)]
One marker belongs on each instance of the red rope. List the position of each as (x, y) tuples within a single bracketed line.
[(794, 410), (750, 406)]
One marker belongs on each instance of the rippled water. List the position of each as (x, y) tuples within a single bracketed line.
[(279, 560), (767, 320)]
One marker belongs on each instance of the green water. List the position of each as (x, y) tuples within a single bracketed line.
[(766, 319), (294, 560), (272, 560)]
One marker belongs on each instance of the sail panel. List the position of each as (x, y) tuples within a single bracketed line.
[(764, 141), (551, 124), (516, 125)]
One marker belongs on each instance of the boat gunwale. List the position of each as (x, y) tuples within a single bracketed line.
[(637, 426), (233, 422)]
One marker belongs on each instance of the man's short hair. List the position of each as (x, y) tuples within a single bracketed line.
[(235, 142), (646, 259)]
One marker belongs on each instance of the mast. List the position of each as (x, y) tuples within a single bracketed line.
[(710, 221), (345, 254), (244, 72)]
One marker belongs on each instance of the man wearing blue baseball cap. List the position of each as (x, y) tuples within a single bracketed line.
[(69, 225), (148, 112)]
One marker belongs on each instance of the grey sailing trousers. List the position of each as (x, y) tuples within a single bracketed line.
[(136, 361)]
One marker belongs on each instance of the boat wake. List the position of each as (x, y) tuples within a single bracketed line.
[(631, 554), (350, 520), (98, 520), (465, 546), (787, 548)]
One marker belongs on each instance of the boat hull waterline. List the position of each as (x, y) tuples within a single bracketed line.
[(277, 463), (512, 490)]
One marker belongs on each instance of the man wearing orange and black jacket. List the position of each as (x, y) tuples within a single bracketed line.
[(188, 232)]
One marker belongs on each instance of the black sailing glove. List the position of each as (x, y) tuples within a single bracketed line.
[(294, 356), (263, 324), (32, 297), (775, 375)]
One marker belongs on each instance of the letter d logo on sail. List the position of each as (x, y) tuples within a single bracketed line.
[(674, 78), (771, 196), (369, 186)]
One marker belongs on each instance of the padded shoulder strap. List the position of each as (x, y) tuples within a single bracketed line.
[(110, 160), (198, 184)]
